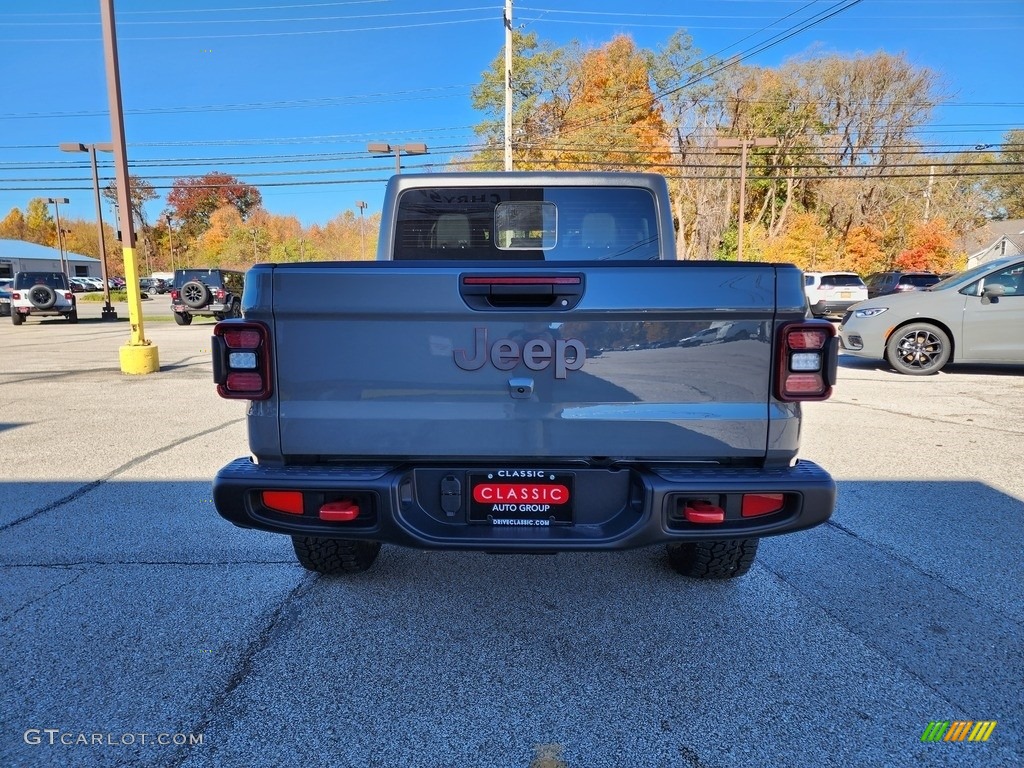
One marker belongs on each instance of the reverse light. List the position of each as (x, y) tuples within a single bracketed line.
[(805, 361)]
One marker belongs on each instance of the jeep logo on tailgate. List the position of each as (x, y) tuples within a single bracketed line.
[(536, 354)]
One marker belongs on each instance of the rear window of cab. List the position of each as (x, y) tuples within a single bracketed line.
[(550, 224)]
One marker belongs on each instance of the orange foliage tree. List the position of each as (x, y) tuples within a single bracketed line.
[(805, 243), (863, 252), (930, 247)]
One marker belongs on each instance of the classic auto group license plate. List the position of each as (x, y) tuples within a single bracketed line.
[(521, 497)]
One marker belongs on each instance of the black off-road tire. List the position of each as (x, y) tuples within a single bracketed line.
[(17, 318), (333, 556), (195, 294), (918, 349), (42, 296), (713, 559), (182, 318)]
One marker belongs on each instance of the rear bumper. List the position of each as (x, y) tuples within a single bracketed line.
[(621, 508), (207, 310), (831, 308)]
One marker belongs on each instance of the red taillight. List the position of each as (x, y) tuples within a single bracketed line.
[(807, 339), (241, 339), (219, 294), (241, 360), (175, 295), (757, 504), (806, 361), (244, 383), (16, 295), (283, 501)]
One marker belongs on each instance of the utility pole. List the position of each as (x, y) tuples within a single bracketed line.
[(928, 193), (170, 241), (508, 85), (361, 205), (768, 141)]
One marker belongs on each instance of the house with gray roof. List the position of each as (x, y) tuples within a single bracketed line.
[(993, 241), (21, 256)]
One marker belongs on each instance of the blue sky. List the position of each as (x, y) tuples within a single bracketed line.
[(289, 92)]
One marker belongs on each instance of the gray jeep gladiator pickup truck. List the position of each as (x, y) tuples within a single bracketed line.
[(525, 368)]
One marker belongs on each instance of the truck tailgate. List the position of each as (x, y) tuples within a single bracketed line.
[(400, 359)]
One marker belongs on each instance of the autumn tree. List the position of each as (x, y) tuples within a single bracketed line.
[(692, 96), (863, 252), (575, 109), (804, 242), (1006, 178), (930, 247), (540, 77), (869, 106), (193, 200), (13, 226), (40, 226)]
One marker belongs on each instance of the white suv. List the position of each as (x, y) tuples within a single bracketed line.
[(830, 294), (42, 293)]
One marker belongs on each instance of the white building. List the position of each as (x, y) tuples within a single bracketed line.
[(19, 256), (993, 241)]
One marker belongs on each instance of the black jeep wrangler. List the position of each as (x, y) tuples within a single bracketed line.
[(206, 293)]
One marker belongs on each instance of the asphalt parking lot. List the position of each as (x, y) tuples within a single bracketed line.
[(138, 621)]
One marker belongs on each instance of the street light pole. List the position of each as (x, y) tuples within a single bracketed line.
[(108, 313), (138, 356), (383, 148), (56, 201), (362, 235), (770, 141)]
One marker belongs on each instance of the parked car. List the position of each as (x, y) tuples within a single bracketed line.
[(972, 317), (6, 284), (77, 286), (159, 285), (42, 293), (881, 283), (206, 292), (830, 294)]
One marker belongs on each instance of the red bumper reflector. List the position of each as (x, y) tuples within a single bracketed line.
[(756, 504), (703, 512), (343, 511), (284, 501)]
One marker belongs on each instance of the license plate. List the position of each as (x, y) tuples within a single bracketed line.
[(521, 497), (845, 294)]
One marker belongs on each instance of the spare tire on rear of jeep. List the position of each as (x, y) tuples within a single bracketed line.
[(195, 294), (42, 296)]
